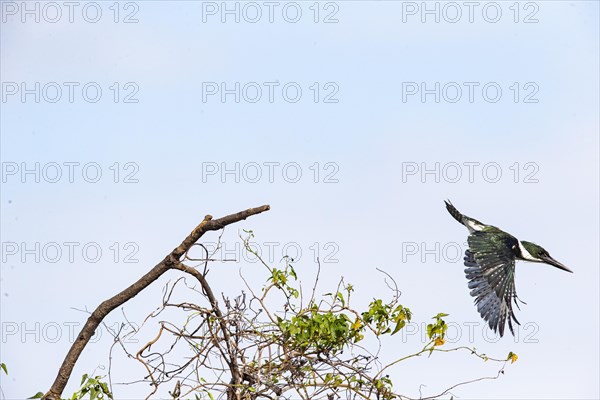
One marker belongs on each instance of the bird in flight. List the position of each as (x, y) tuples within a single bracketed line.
[(490, 262)]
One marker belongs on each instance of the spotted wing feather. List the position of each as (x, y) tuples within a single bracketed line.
[(490, 270)]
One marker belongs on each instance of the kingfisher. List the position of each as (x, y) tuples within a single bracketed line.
[(490, 262)]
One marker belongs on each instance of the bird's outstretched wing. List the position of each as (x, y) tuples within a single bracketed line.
[(490, 270)]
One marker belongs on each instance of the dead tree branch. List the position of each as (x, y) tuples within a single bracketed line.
[(171, 261)]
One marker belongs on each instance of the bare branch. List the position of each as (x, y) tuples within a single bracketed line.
[(172, 259)]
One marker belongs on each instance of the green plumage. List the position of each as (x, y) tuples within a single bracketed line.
[(490, 270), (490, 262)]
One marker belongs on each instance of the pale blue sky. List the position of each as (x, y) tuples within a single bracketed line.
[(369, 136)]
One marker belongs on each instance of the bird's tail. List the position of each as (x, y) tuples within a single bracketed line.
[(472, 224), (454, 212)]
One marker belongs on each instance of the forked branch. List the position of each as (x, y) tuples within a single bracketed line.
[(171, 261)]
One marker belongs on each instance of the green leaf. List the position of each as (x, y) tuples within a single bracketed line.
[(429, 330), (341, 298), (293, 273), (38, 395), (83, 378), (3, 366), (399, 326)]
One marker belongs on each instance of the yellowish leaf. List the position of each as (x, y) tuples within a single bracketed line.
[(439, 341)]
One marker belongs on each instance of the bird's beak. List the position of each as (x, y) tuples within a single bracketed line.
[(553, 262)]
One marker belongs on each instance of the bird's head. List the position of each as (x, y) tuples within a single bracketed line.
[(541, 255)]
